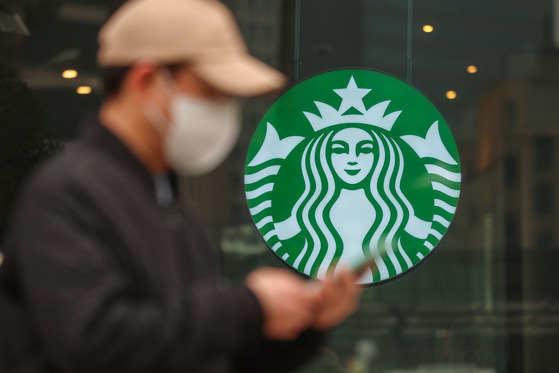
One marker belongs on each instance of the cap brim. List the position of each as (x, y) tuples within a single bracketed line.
[(241, 75)]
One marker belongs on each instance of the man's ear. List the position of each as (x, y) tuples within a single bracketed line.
[(141, 82)]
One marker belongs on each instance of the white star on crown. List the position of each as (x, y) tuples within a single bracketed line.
[(352, 97)]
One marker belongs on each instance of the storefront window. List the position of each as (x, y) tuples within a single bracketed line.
[(479, 303)]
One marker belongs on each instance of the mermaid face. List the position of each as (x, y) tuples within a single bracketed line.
[(352, 154)]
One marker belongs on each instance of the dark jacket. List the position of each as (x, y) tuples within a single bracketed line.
[(108, 277)]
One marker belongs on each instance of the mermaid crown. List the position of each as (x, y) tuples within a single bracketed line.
[(352, 97)]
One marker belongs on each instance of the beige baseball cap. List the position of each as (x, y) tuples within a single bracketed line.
[(202, 33)]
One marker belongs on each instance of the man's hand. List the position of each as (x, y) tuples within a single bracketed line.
[(288, 302), (339, 298)]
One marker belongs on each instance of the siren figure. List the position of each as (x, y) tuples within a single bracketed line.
[(352, 207)]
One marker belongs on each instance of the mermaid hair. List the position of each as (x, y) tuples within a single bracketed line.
[(382, 187)]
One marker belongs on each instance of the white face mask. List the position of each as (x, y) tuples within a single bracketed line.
[(201, 133)]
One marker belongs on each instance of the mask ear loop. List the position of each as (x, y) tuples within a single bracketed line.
[(155, 116), (152, 111)]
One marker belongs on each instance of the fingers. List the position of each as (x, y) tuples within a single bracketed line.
[(288, 302), (291, 305), (339, 296)]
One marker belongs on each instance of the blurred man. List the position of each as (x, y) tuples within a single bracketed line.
[(106, 269)]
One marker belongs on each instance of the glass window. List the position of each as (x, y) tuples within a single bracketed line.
[(543, 153), (472, 306), (543, 199), (511, 170)]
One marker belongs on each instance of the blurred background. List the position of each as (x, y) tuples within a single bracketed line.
[(487, 299)]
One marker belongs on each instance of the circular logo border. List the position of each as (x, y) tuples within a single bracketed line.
[(319, 120)]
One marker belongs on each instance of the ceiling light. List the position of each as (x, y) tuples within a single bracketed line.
[(451, 95), (472, 69), (83, 90), (69, 74), (428, 28)]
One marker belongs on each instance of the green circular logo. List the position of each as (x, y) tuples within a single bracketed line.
[(352, 166)]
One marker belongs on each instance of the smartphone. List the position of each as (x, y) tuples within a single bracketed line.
[(360, 268)]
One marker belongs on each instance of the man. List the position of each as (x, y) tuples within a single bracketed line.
[(105, 269)]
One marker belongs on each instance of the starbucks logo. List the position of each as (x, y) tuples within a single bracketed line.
[(351, 166)]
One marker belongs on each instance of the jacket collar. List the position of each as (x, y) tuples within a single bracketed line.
[(97, 135)]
